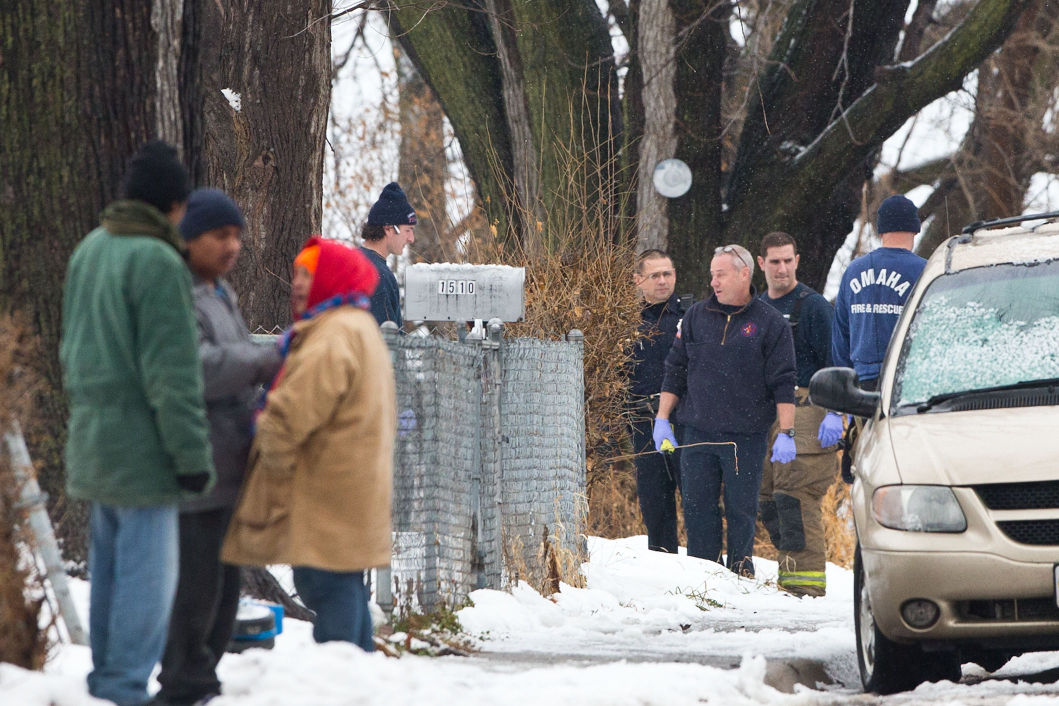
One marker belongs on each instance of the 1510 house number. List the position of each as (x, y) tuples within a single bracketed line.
[(456, 286)]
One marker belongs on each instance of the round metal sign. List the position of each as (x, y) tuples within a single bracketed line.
[(672, 178)]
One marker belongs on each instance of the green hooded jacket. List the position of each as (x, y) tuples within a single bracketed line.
[(130, 362)]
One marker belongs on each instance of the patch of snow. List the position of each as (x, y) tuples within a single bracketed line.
[(234, 99)]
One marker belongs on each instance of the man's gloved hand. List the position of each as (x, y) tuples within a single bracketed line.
[(193, 482), (663, 436), (830, 430), (406, 422), (783, 449)]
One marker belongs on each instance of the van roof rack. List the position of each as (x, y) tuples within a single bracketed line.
[(978, 225)]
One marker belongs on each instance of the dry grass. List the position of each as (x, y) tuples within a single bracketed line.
[(22, 639)]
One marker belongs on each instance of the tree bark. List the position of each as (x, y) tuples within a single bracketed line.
[(850, 140), (560, 67), (422, 164), (657, 49), (990, 174), (265, 148), (453, 49), (695, 218)]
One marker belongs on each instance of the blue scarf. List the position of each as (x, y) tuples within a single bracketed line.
[(356, 299)]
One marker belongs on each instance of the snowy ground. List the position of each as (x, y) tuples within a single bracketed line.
[(647, 629)]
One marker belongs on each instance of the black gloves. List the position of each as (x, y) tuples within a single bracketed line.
[(194, 482)]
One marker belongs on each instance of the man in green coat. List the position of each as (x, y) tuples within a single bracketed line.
[(137, 438)]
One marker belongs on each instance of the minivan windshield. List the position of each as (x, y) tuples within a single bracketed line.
[(981, 328)]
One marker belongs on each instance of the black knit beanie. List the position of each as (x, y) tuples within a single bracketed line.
[(209, 209), (156, 176), (897, 214), (392, 208)]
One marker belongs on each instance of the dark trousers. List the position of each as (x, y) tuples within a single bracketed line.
[(340, 601), (657, 480), (204, 609), (704, 471)]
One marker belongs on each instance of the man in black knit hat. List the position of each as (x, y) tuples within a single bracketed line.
[(390, 227), (137, 440)]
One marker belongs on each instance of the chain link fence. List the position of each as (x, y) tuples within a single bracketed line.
[(489, 467)]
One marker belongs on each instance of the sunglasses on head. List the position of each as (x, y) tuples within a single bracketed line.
[(732, 250)]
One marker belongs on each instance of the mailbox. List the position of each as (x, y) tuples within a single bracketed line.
[(458, 292)]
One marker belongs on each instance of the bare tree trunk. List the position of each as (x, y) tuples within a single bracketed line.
[(422, 164), (657, 46), (261, 139), (526, 186), (989, 175)]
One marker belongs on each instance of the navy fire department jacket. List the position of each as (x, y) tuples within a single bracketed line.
[(870, 298), (731, 366), (658, 324)]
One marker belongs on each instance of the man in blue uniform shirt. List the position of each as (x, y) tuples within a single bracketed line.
[(873, 292), (731, 368)]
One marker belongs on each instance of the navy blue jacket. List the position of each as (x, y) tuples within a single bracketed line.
[(658, 326), (809, 316), (870, 298), (731, 366), (386, 302)]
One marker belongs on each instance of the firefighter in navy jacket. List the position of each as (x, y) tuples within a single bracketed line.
[(657, 474), (732, 369)]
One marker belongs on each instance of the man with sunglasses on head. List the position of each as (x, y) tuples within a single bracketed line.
[(390, 227), (732, 369)]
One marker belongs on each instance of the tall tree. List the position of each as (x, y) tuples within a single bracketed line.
[(811, 116), (1011, 137), (257, 87), (116, 73), (530, 88)]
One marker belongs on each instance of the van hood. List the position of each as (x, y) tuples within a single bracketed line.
[(982, 446)]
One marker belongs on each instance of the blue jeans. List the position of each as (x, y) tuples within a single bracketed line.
[(340, 601), (132, 565), (703, 471)]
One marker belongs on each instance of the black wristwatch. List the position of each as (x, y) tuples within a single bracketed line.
[(788, 432)]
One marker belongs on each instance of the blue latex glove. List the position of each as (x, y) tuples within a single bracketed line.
[(783, 449), (663, 436), (830, 430), (406, 422)]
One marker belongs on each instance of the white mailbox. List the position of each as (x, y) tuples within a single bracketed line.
[(457, 292)]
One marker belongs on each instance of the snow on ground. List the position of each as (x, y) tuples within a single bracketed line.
[(647, 629)]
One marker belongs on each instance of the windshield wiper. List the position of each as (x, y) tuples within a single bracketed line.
[(1021, 385)]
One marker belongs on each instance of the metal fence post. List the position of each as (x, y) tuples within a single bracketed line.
[(492, 472), (383, 582), (30, 496)]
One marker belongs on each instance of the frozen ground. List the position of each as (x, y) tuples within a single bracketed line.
[(647, 629)]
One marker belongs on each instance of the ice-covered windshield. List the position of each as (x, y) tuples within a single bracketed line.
[(982, 327)]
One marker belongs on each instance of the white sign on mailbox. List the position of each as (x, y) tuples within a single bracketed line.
[(457, 292)]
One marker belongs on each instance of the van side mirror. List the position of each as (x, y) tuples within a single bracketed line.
[(836, 389)]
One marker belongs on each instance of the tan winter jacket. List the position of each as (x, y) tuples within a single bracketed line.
[(320, 478)]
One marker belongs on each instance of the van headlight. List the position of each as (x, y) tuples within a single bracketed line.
[(918, 508)]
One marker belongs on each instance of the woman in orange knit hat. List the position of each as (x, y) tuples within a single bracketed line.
[(319, 489)]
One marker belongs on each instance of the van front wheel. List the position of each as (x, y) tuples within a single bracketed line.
[(887, 667)]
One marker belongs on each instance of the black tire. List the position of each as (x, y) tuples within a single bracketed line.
[(887, 667)]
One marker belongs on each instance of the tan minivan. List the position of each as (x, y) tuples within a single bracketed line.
[(956, 471)]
